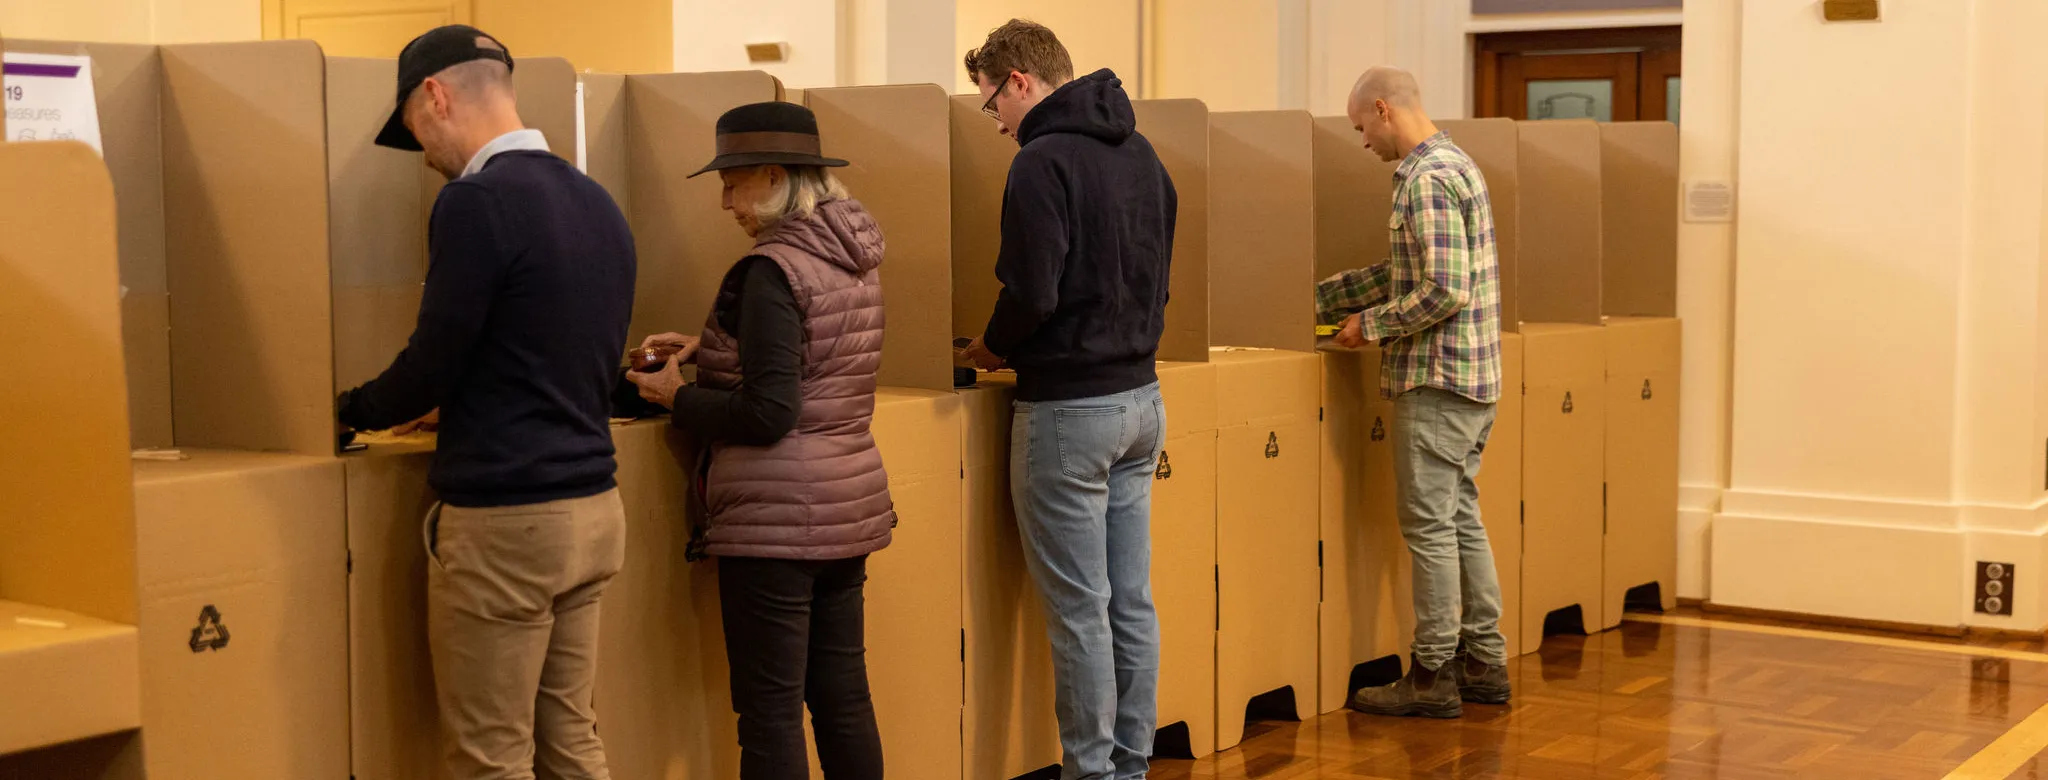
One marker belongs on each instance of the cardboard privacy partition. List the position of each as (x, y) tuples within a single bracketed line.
[(246, 232), (915, 587), (68, 565), (1357, 623), (1563, 449), (664, 701), (1559, 257), (127, 88), (395, 727), (686, 243), (1184, 557), (1639, 172), (1354, 196), (1496, 147), (1642, 464), (1178, 131), (244, 577), (897, 140), (1366, 561), (604, 135), (380, 200), (1267, 531), (1009, 727), (1263, 229), (1639, 218), (1500, 492)]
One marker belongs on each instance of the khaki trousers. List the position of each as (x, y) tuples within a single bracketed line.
[(512, 609)]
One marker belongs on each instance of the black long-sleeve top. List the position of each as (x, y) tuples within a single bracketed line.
[(760, 311)]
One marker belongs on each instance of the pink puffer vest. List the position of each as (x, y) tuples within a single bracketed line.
[(821, 493)]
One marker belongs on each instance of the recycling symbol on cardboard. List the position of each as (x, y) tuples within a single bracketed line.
[(1165, 470), (1646, 390), (1272, 445), (1567, 402), (210, 634), (1379, 429)]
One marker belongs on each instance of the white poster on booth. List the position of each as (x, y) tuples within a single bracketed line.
[(49, 98)]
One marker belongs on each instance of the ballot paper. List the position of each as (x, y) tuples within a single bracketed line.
[(50, 98)]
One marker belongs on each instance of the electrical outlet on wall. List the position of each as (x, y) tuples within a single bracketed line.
[(1994, 588)]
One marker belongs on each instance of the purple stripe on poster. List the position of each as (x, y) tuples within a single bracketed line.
[(47, 71), (1484, 7)]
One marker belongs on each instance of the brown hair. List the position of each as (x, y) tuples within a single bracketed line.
[(1024, 47)]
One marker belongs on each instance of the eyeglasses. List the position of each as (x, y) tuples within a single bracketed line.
[(989, 109)]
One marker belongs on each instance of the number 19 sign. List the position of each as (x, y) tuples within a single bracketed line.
[(49, 98)]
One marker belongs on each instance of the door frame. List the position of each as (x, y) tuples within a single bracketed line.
[(1657, 48)]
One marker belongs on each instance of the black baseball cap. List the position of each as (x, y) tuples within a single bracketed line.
[(439, 49)]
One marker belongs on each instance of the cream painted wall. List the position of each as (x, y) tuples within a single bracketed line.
[(904, 42), (712, 36), (1344, 38), (1706, 278), (1846, 304), (132, 21), (1225, 52), (1097, 33), (1889, 430)]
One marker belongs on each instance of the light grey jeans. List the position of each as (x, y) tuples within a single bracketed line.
[(1081, 479), (1438, 438)]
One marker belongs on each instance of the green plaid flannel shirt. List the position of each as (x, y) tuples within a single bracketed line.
[(1434, 305)]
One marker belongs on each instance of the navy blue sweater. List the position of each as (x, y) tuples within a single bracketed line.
[(521, 330), (1088, 219)]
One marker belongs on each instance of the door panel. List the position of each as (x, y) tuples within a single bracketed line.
[(360, 28)]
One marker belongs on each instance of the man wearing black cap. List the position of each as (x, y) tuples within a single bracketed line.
[(521, 328)]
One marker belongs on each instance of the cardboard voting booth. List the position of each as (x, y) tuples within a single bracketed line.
[(1564, 356), (685, 242), (897, 141), (243, 569), (1262, 262), (915, 595), (1639, 270), (1563, 461), (1184, 581), (128, 92), (69, 645)]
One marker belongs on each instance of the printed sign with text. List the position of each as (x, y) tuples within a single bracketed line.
[(50, 98)]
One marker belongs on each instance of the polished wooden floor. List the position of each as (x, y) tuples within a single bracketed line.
[(1656, 700)]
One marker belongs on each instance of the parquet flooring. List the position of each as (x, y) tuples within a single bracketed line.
[(1652, 700)]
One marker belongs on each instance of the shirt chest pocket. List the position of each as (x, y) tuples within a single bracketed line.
[(1396, 226)]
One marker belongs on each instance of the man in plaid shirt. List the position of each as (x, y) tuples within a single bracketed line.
[(1434, 306)]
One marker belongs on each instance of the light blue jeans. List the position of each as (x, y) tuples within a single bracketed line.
[(1439, 437), (1081, 480)]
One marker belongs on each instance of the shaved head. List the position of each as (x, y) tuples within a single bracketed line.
[(1386, 109), (1395, 86)]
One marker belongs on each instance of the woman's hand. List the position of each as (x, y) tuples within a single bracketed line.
[(660, 387), (685, 347)]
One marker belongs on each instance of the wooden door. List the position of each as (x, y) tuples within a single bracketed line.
[(360, 28), (1616, 75)]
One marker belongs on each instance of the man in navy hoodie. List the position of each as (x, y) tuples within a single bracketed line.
[(1088, 217)]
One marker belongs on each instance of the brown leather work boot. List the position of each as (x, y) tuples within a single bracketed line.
[(1479, 683), (1424, 693)]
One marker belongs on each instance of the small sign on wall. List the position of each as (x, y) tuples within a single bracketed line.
[(1709, 201), (50, 98)]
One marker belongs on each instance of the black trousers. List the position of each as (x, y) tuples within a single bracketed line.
[(794, 635)]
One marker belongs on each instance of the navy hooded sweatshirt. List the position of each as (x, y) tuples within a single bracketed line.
[(1088, 218)]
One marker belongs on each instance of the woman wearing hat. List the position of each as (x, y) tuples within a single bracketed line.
[(794, 492)]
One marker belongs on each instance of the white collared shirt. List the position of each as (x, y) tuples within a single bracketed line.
[(527, 139)]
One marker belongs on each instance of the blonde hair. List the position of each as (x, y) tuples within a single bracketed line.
[(802, 191)]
